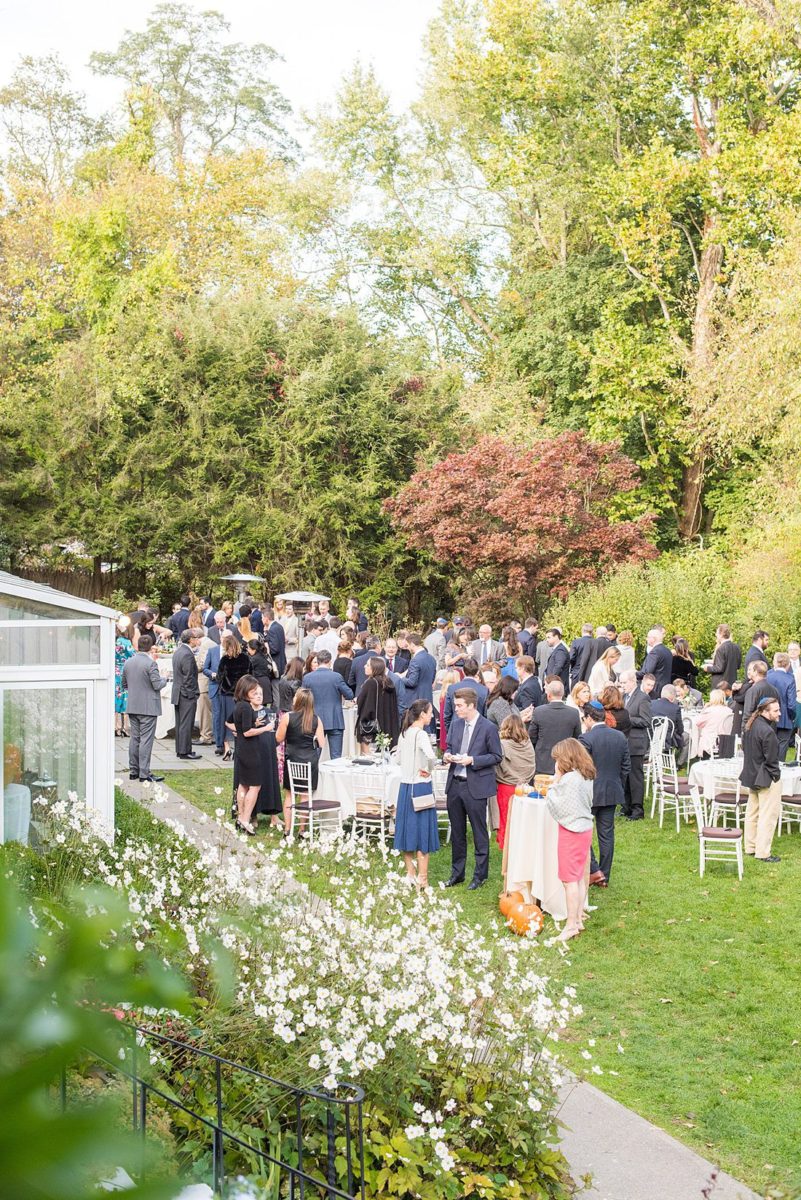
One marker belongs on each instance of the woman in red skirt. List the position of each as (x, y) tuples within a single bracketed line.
[(517, 766), (569, 802)]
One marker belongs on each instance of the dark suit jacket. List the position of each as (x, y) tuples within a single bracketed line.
[(208, 617), (559, 664), (484, 749), (758, 691), (638, 706), (329, 690), (216, 636), (481, 691), (600, 646), (357, 676), (551, 723), (665, 708), (184, 675), (726, 663), (178, 622), (419, 681), (753, 654), (582, 652), (276, 644), (257, 621), (529, 692), (659, 663), (609, 751), (784, 683)]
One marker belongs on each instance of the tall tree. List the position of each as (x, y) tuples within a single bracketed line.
[(210, 95)]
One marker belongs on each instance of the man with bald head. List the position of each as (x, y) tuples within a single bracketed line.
[(485, 649)]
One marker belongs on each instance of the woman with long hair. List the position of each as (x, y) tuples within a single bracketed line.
[(234, 664), (511, 648), (289, 683), (683, 665), (451, 675), (714, 721), (569, 801), (603, 673), (302, 735), (244, 626), (416, 830), (625, 644), (250, 723), (123, 650), (580, 695), (377, 705), (617, 715), (499, 701), (516, 767), (310, 664)]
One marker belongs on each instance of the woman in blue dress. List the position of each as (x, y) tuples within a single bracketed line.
[(123, 650), (416, 831)]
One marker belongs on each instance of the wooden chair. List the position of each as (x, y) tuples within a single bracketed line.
[(302, 802), (715, 843)]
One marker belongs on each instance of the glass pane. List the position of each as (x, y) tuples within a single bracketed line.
[(15, 608), (49, 645), (44, 752)]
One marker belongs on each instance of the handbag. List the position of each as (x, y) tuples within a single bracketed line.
[(369, 728), (423, 794)]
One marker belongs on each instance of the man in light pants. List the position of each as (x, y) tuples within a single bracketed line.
[(761, 774)]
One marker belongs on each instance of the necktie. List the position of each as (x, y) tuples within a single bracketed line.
[(484, 652), (461, 770), (392, 664)]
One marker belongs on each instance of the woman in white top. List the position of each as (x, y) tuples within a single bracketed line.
[(580, 695), (602, 674), (714, 720), (416, 830), (625, 644)]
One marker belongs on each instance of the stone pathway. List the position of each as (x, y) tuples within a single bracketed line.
[(164, 758), (627, 1157)]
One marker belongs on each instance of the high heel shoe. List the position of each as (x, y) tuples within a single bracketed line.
[(227, 756), (245, 828)]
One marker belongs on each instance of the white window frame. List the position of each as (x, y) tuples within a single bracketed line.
[(78, 671), (88, 688)]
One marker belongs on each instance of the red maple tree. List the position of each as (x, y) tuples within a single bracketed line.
[(520, 524)]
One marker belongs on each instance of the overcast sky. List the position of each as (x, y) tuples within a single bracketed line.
[(319, 39)]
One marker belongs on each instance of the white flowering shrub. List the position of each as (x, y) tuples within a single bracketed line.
[(449, 1032)]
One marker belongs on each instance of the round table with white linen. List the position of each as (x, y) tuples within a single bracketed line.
[(166, 721), (530, 853), (708, 774), (341, 779)]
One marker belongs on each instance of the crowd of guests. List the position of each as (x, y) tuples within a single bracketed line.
[(275, 685)]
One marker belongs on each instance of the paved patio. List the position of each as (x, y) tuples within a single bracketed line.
[(164, 758)]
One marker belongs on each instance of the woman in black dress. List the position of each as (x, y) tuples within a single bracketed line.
[(683, 666), (377, 705), (302, 733), (234, 663), (289, 683), (261, 665), (252, 728)]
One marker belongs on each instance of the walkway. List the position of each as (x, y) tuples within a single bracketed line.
[(627, 1157)]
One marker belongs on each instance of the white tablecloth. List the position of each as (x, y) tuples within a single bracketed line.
[(707, 773), (531, 863), (337, 780), (349, 747), (166, 721)]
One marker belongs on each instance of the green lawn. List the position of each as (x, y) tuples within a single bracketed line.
[(699, 981)]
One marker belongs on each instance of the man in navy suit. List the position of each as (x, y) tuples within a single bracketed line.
[(208, 611), (658, 660), (329, 690), (529, 694), (211, 665), (276, 643), (609, 751), (471, 680), (473, 752), (418, 682), (559, 658), (357, 677)]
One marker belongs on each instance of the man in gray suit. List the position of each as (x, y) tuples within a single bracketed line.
[(485, 649), (142, 681), (185, 691)]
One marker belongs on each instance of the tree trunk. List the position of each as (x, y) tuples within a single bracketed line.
[(701, 355)]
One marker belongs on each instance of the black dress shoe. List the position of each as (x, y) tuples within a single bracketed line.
[(192, 755), (454, 881), (770, 858), (151, 778), (217, 750), (133, 774), (475, 883)]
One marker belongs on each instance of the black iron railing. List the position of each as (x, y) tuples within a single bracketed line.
[(309, 1140)]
